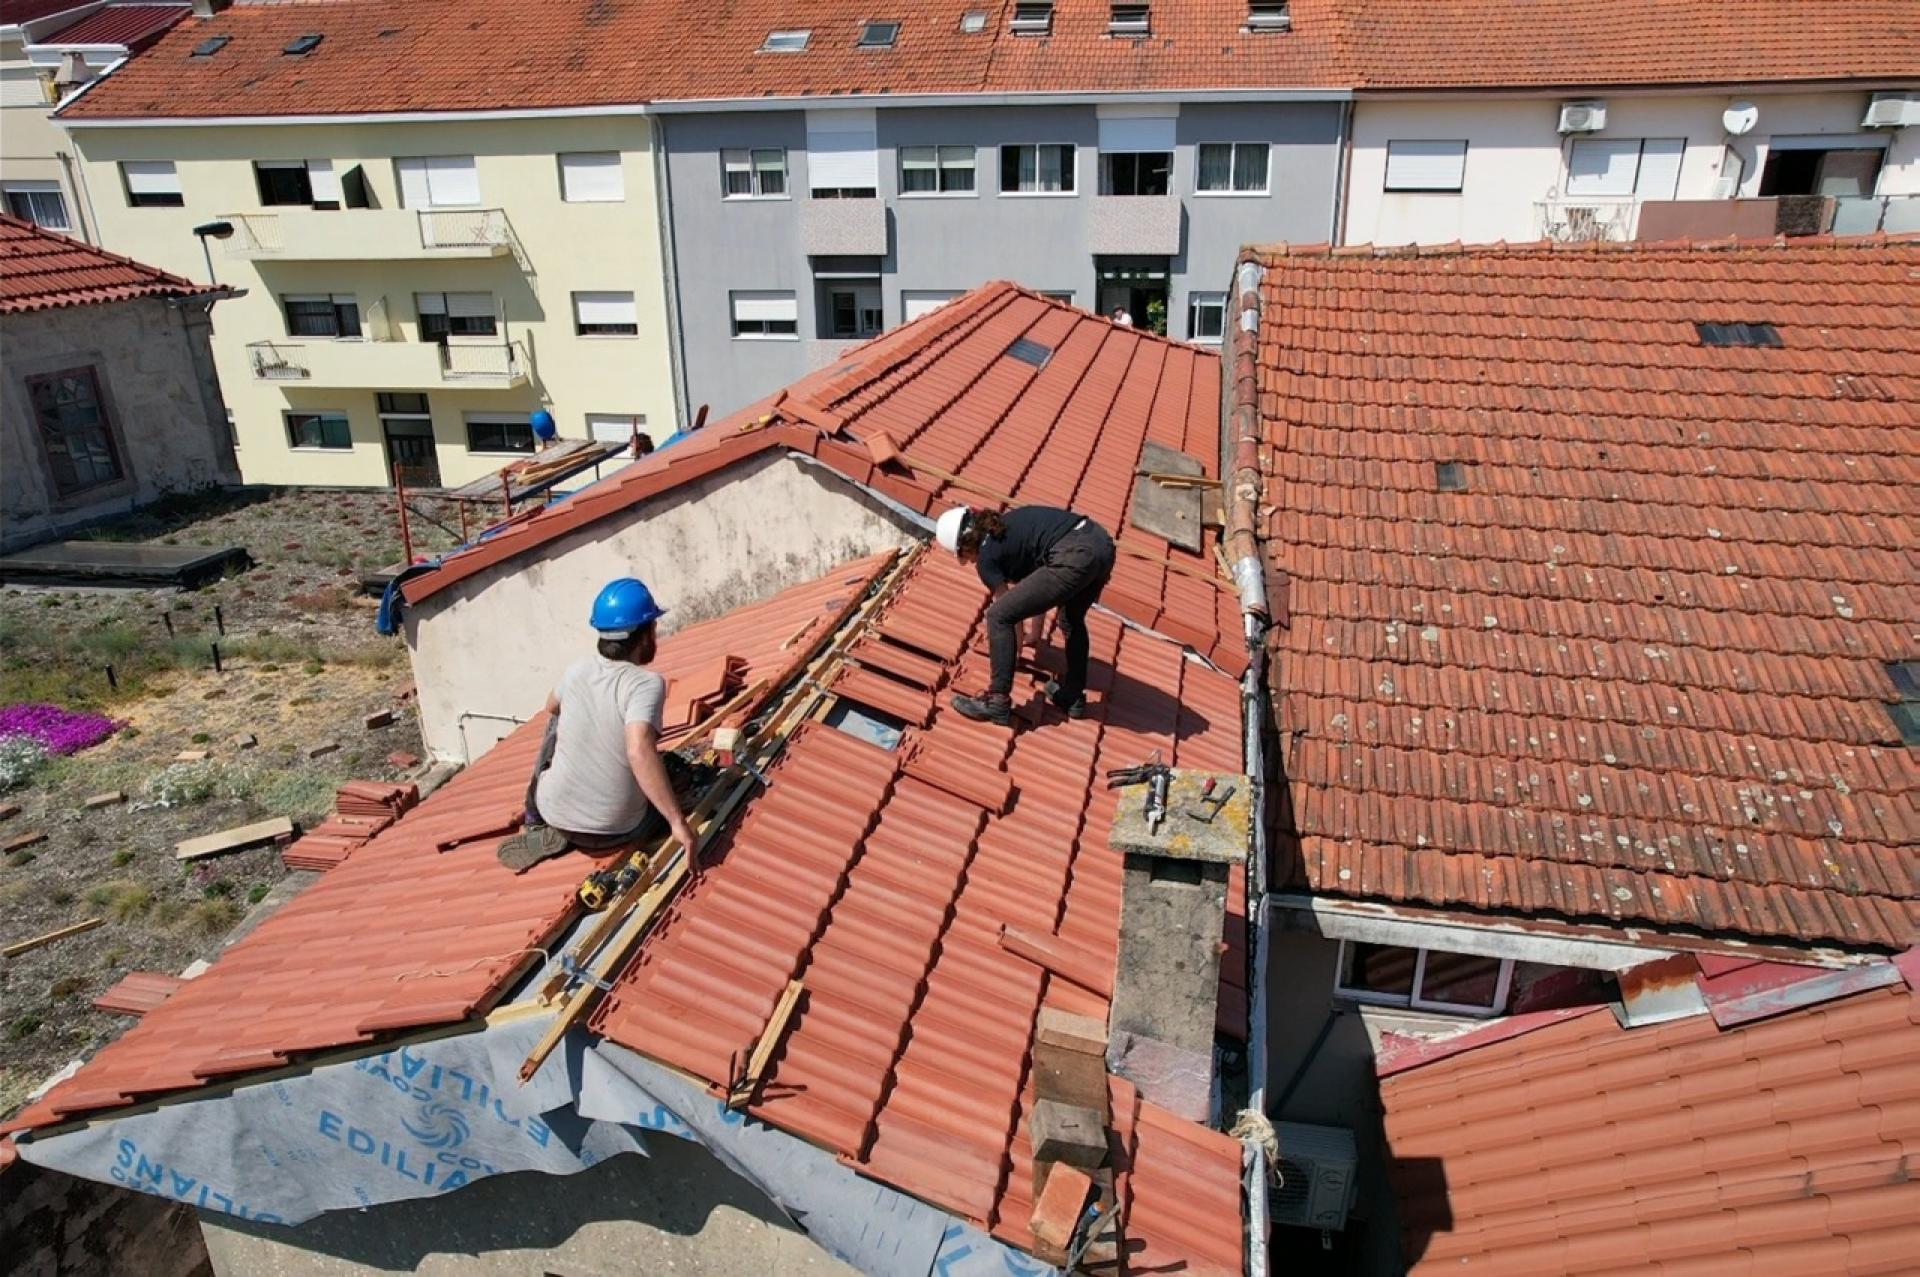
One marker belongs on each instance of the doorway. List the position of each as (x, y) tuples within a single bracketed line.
[(1136, 285), (408, 428)]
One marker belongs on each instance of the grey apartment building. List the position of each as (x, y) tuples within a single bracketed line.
[(800, 231)]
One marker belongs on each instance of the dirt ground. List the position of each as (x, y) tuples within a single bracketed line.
[(301, 668)]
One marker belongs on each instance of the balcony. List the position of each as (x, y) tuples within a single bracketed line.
[(843, 228), (1580, 221), (370, 234), (1134, 226), (389, 365)]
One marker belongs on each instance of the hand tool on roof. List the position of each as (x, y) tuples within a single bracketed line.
[(1157, 777), (1209, 804)]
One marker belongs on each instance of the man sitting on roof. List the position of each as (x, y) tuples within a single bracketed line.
[(602, 782)]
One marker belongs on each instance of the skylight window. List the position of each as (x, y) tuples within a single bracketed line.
[(303, 45), (1032, 17), (1129, 19), (973, 21), (211, 45), (1738, 334), (1905, 712), (879, 35), (1450, 476), (1032, 352), (786, 41)]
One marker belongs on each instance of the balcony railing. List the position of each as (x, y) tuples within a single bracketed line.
[(462, 361), (464, 228), (1134, 225), (277, 361), (387, 365), (1579, 221), (372, 234), (844, 228)]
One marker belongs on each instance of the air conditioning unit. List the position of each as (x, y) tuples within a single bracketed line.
[(1318, 1176), (1892, 111), (1589, 116)]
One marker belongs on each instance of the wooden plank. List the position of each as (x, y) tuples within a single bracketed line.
[(24, 841), (1161, 507), (21, 946), (770, 1036), (234, 839)]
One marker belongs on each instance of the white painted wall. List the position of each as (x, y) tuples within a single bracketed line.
[(1516, 157), (487, 651)]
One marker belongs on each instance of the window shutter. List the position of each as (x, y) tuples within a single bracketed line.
[(413, 183), (592, 177), (1603, 166), (1660, 168), (605, 308), (841, 150), (324, 181), (430, 303), (1139, 133), (151, 177), (1426, 166), (470, 305), (757, 307), (439, 181), (915, 305)]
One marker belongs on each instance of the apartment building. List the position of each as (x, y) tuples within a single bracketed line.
[(1480, 121)]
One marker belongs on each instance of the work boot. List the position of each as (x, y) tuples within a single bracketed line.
[(1074, 707), (530, 846), (994, 707)]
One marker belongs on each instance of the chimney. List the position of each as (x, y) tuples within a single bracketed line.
[(1166, 984), (207, 8)]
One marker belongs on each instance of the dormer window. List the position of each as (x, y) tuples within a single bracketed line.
[(1032, 17), (1268, 15), (786, 41), (879, 35), (1129, 19)]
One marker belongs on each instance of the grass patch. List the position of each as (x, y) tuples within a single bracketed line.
[(15, 1087), (257, 892), (113, 957), (209, 917), (122, 899), (23, 1027), (13, 893), (121, 859), (20, 859), (66, 987), (300, 792)]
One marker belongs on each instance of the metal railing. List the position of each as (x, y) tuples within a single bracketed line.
[(463, 361), (464, 228), (274, 361), (1577, 221), (254, 233)]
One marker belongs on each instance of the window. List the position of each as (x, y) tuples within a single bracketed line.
[(38, 202), (592, 177), (322, 314), (915, 303), (311, 183), (1820, 166), (973, 21), (1062, 295), (439, 181), (615, 427), (302, 45), (1206, 316), (1129, 19), (1450, 476), (319, 430), (498, 432), (151, 183), (1619, 167), (1905, 712), (760, 316), (447, 315), (1268, 15), (1425, 979), (1737, 334), (1029, 351), (74, 429), (849, 308), (1032, 17), (1136, 173), (1426, 166), (843, 161), (936, 170), (1035, 170), (786, 41), (1236, 167), (759, 173), (211, 45), (605, 315), (879, 35), (402, 403)]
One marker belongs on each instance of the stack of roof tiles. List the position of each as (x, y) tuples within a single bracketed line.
[(361, 809), (138, 992), (40, 270), (1637, 667)]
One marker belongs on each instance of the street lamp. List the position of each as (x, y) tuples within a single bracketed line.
[(212, 230)]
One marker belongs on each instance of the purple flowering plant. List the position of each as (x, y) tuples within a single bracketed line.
[(58, 731)]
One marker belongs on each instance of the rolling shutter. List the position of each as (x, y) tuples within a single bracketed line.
[(841, 150), (592, 177), (1426, 166), (1138, 133), (439, 181), (323, 181), (1603, 166), (151, 177), (605, 308), (756, 307)]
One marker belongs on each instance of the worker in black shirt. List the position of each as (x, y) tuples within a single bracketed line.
[(1034, 558)]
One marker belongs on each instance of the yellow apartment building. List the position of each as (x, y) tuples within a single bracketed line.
[(415, 288)]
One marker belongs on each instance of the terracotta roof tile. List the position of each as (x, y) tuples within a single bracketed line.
[(132, 25), (1672, 1148), (40, 270), (1636, 669), (942, 390)]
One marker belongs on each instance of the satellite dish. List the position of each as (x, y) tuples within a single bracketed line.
[(1740, 118)]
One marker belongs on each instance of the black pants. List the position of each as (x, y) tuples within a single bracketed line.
[(1071, 579)]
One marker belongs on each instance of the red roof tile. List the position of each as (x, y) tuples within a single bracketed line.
[(884, 888), (944, 392), (1635, 670), (1786, 1146), (131, 25), (323, 971), (18, 12), (40, 270)]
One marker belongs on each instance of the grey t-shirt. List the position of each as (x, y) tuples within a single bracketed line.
[(590, 789)]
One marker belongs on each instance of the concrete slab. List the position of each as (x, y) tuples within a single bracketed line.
[(121, 563), (1183, 836)]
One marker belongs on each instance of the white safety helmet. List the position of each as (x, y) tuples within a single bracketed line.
[(949, 526)]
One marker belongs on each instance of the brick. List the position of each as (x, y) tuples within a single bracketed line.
[(192, 756), (378, 719), (1074, 1032), (1067, 1133), (23, 842), (244, 740), (402, 759), (1072, 1077), (9, 810), (113, 799), (321, 751), (1057, 1210)]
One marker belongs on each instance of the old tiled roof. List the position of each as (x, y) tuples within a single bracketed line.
[(41, 270), (321, 972), (1635, 670), (881, 879), (944, 391), (1411, 44), (1786, 1146), (15, 13), (132, 25)]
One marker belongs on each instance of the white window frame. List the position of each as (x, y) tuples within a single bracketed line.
[(1233, 166), (1429, 149), (595, 177), (1194, 301), (940, 166), (427, 163), (469, 419), (1000, 170), (736, 296), (607, 298), (753, 171), (1413, 1001), (151, 177), (31, 189)]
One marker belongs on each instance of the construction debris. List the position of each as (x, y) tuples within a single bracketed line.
[(22, 946), (192, 756), (361, 809), (403, 760), (378, 719), (9, 811), (234, 839), (244, 740), (21, 843), (322, 750), (111, 799), (138, 992)]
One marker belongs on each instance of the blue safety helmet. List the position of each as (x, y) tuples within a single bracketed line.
[(542, 424), (625, 607)]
